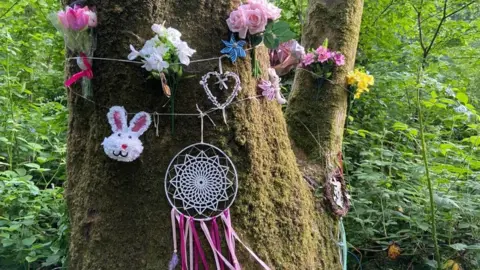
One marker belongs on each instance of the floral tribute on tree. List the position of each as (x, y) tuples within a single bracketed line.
[(257, 21), (164, 54), (322, 60), (76, 24)]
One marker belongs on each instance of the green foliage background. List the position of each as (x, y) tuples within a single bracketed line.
[(33, 118), (382, 147)]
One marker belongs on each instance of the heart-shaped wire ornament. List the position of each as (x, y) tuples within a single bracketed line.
[(222, 78)]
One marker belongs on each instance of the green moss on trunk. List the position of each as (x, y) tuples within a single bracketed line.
[(316, 111)]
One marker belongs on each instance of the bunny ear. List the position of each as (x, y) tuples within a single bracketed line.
[(140, 123), (117, 117)]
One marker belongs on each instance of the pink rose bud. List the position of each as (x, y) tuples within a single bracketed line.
[(237, 23), (255, 18)]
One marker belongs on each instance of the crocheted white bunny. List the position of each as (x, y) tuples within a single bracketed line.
[(124, 144)]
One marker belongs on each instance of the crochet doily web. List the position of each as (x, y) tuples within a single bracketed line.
[(201, 181)]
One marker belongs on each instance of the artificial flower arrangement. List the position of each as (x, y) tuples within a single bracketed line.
[(322, 60), (165, 53), (77, 24), (360, 80), (258, 21)]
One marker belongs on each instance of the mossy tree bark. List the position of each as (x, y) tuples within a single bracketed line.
[(120, 218), (317, 108)]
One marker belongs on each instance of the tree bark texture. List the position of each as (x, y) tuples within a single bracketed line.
[(317, 108), (120, 217)]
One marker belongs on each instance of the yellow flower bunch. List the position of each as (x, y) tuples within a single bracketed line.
[(362, 81)]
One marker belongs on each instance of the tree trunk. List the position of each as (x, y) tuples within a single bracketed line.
[(120, 217), (317, 109)]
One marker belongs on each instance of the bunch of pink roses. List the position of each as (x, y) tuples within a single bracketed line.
[(323, 55), (252, 17)]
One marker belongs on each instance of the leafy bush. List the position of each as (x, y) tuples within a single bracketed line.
[(33, 117), (383, 145)]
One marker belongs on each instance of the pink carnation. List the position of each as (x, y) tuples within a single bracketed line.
[(255, 17), (338, 58), (308, 59), (237, 22), (323, 54)]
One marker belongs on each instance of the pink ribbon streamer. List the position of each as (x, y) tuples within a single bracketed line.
[(183, 248), (216, 252), (216, 238), (231, 238), (198, 245), (84, 73)]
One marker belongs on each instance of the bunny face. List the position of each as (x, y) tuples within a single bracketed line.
[(124, 144)]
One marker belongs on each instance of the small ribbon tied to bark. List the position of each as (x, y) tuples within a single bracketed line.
[(86, 71)]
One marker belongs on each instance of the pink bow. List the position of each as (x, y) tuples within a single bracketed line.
[(87, 72)]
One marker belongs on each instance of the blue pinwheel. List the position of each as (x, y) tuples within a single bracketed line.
[(234, 48)]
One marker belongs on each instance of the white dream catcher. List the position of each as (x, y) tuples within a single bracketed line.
[(201, 181), (201, 184)]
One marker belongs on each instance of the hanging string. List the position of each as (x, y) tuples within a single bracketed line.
[(206, 113), (141, 63), (343, 244), (201, 123)]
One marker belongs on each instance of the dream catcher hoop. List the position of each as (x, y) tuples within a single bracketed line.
[(201, 182)]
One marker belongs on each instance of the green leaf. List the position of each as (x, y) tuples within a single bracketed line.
[(53, 259), (21, 171), (32, 165), (29, 241), (281, 30), (270, 40), (474, 140), (462, 97), (31, 258), (400, 126), (256, 40), (7, 242), (325, 43), (458, 246)]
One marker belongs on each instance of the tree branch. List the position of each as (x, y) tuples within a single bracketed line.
[(419, 23), (384, 11), (10, 8), (437, 31), (452, 13), (461, 8)]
